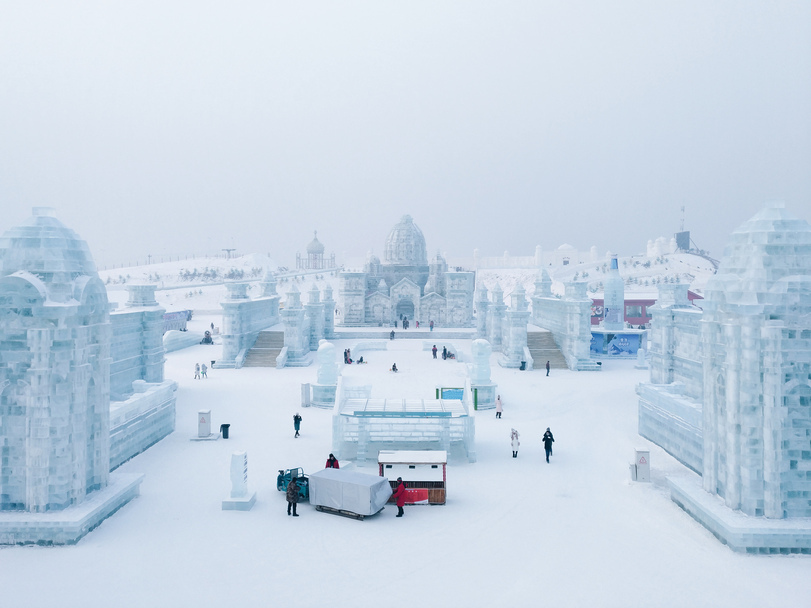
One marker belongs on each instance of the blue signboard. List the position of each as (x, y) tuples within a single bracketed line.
[(452, 393)]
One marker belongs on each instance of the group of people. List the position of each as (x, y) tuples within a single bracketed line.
[(446, 354), (200, 371), (547, 439)]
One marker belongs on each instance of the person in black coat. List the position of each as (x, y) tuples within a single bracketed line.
[(548, 440)]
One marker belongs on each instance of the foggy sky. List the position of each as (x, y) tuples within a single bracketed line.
[(168, 128)]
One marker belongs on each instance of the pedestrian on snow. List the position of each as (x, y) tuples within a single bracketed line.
[(547, 443), (204, 370), (348, 356), (344, 356), (297, 423), (196, 371), (292, 496), (547, 368), (332, 463), (394, 367), (515, 442), (433, 350), (418, 324), (391, 335), (444, 352), (399, 496), (431, 325), (499, 408), (212, 327)]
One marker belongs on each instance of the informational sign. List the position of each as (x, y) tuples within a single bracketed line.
[(452, 393)]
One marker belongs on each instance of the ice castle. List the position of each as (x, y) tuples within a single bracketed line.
[(730, 389), (406, 285), (61, 357)]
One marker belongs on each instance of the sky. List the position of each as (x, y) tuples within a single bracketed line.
[(174, 128)]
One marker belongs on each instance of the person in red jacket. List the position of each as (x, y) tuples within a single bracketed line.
[(332, 463), (399, 496)]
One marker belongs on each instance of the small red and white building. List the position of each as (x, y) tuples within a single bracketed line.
[(423, 471)]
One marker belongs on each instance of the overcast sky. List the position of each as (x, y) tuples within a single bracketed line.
[(177, 127)]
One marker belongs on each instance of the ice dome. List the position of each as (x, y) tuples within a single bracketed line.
[(770, 247), (315, 245), (405, 244), (46, 248)]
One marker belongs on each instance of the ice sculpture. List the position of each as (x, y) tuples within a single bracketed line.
[(481, 350), (327, 364), (241, 498)]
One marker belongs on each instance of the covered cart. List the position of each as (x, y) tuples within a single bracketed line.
[(348, 493)]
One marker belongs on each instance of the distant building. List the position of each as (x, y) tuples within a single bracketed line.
[(315, 257)]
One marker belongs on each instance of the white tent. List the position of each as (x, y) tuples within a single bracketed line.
[(349, 491)]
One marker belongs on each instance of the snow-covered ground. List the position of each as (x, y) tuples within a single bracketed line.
[(515, 532)]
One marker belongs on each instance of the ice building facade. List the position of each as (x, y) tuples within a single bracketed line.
[(504, 327), (406, 285), (730, 387), (568, 318), (363, 425), (55, 359), (244, 317)]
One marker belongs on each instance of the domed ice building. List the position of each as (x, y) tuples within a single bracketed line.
[(405, 285), (314, 259), (64, 356)]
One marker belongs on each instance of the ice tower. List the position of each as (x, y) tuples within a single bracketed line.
[(55, 350), (614, 306), (730, 390), (54, 379)]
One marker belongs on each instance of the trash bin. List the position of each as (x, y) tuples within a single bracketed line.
[(523, 365), (212, 363), (224, 430)]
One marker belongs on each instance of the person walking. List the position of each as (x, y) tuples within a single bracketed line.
[(292, 496), (431, 325), (332, 463), (514, 441), (499, 407), (204, 371), (444, 352), (297, 423), (547, 368), (391, 335), (548, 440), (399, 496), (196, 371), (433, 350)]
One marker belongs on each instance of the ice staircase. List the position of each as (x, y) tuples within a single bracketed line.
[(264, 352), (542, 347)]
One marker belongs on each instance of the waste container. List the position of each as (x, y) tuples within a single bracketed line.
[(523, 365), (224, 430)]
